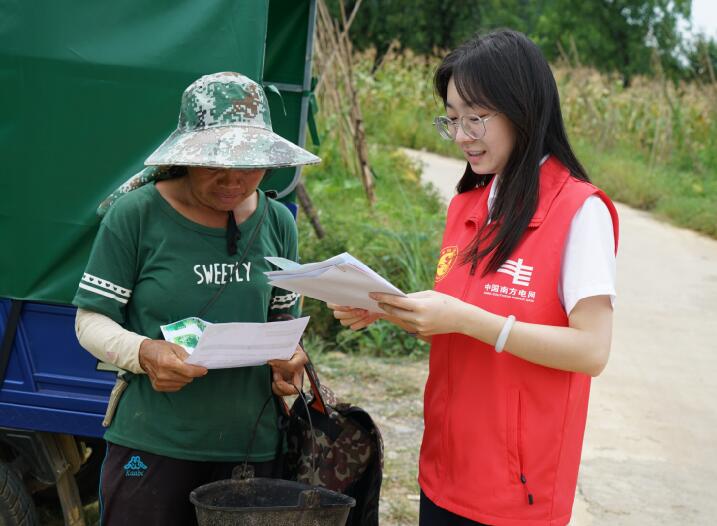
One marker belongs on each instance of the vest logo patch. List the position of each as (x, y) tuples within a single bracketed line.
[(135, 467), (445, 262), (521, 273)]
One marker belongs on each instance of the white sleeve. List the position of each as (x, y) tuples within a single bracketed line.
[(589, 258), (108, 341)]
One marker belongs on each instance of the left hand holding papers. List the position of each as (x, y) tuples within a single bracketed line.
[(225, 345)]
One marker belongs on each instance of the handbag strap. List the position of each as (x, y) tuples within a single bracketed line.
[(318, 402), (244, 472)]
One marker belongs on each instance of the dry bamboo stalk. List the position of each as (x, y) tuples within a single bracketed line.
[(387, 55), (308, 207), (563, 54), (344, 33), (329, 98), (332, 97), (338, 93), (359, 133)]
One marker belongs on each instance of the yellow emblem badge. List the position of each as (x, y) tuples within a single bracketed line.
[(445, 262)]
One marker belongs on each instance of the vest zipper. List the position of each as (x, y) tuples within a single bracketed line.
[(523, 479)]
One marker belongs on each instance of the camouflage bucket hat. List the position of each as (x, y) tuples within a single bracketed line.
[(224, 122)]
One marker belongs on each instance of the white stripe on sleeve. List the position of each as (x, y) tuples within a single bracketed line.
[(103, 293), (105, 288), (284, 302), (94, 281)]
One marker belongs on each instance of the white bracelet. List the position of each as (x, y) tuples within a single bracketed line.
[(504, 332)]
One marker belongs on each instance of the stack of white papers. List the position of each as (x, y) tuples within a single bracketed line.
[(342, 279), (225, 345)]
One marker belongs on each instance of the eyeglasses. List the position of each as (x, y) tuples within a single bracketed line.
[(472, 125)]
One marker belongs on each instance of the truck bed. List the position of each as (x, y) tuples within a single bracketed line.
[(51, 383)]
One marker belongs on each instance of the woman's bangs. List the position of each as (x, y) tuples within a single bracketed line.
[(470, 87)]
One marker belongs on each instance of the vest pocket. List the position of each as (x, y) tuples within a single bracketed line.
[(516, 441)]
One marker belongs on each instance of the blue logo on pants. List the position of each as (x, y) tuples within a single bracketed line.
[(135, 467)]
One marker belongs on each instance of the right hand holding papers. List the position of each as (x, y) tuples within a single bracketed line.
[(342, 280)]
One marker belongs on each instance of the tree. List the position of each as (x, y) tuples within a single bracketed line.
[(421, 25), (615, 35), (627, 36), (702, 59)]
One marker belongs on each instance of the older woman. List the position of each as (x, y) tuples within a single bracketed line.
[(189, 239)]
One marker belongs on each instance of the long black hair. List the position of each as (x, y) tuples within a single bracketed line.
[(505, 72)]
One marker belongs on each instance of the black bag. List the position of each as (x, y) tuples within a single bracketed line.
[(345, 454)]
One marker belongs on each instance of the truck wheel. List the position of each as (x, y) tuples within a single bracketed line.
[(16, 507)]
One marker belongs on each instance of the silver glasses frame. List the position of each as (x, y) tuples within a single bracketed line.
[(447, 128)]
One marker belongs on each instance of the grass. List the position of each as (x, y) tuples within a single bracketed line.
[(398, 102), (680, 196), (652, 146)]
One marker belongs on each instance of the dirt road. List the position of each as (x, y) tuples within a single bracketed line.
[(650, 453)]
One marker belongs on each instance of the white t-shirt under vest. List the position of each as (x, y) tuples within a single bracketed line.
[(588, 267)]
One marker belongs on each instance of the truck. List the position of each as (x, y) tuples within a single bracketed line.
[(87, 91)]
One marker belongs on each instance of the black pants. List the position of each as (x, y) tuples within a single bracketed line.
[(432, 515), (139, 488)]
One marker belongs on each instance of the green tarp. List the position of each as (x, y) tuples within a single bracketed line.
[(89, 89)]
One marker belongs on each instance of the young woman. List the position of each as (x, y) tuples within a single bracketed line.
[(520, 318)]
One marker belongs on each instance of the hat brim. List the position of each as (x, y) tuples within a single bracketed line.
[(230, 147)]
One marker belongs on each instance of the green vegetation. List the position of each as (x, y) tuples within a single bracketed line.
[(684, 197), (652, 145), (630, 37), (399, 238), (398, 101)]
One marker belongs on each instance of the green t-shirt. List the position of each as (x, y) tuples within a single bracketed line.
[(150, 266)]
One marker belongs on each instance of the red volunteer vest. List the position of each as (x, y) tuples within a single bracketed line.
[(503, 436)]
